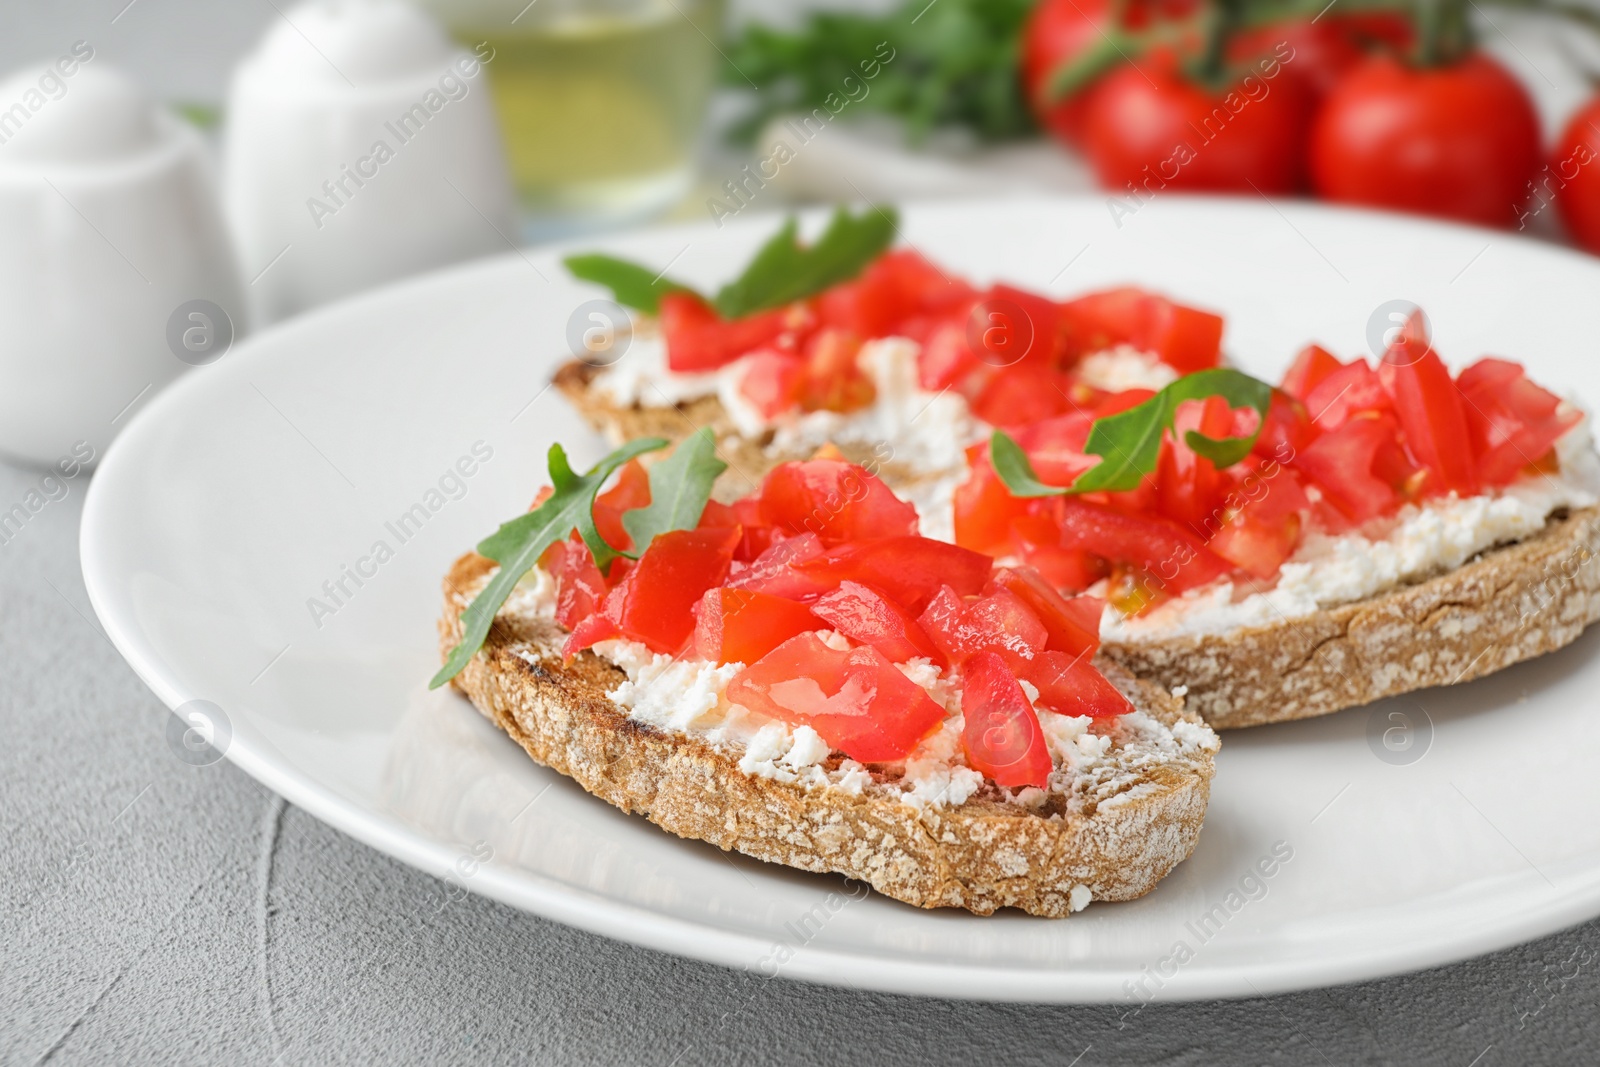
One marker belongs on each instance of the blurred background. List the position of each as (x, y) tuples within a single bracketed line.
[(190, 172)]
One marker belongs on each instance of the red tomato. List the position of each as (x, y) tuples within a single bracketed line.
[(1055, 447), (1183, 337), (775, 569), (1342, 464), (698, 338), (1001, 734), (1314, 52), (1190, 485), (984, 508), (1149, 128), (909, 569), (835, 500), (771, 382), (1513, 423), (1174, 557), (868, 617), (999, 622), (1072, 685), (580, 587), (1287, 429), (742, 625), (857, 700), (632, 490), (1017, 396), (1574, 169), (1460, 140), (1310, 367), (1352, 390), (1071, 626), (832, 379), (1056, 33), (1429, 408), (654, 603), (1255, 543)]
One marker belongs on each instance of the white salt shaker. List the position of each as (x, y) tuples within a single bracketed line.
[(361, 146), (116, 273)]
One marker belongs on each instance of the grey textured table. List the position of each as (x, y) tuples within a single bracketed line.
[(156, 912), (160, 913)]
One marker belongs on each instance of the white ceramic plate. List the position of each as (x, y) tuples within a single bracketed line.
[(234, 497)]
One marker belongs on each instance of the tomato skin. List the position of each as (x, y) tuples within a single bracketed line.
[(1459, 141), (1341, 463), (1072, 685), (1572, 167), (1352, 390), (1021, 395), (909, 569), (1071, 626), (654, 602), (870, 617), (983, 508), (1512, 422), (1310, 367), (1173, 556), (1148, 128), (741, 625), (1183, 337), (776, 571), (1057, 32), (580, 587), (1001, 733), (1430, 410), (859, 702), (632, 490), (838, 501), (771, 382)]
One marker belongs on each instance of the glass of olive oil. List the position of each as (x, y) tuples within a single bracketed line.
[(601, 102)]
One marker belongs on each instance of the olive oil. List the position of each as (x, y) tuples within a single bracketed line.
[(601, 105)]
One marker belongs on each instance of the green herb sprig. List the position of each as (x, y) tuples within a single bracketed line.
[(1129, 442), (679, 488), (783, 270)]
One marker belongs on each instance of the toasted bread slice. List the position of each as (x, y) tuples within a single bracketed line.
[(1510, 604), (1127, 820)]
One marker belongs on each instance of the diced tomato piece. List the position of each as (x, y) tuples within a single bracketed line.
[(1182, 337), (1105, 319), (1055, 446), (654, 603), (1341, 464), (1429, 408), (1352, 390), (832, 379), (1064, 568), (1001, 734), (771, 382), (597, 627), (897, 288), (1018, 396), (1190, 484), (1017, 327), (835, 500), (1310, 367), (541, 496), (774, 570), (1072, 685), (1287, 429), (1256, 544), (1070, 625), (1118, 402), (868, 617), (857, 701), (1000, 622), (946, 357), (632, 490), (697, 338), (1173, 556), (580, 587), (742, 625), (984, 508), (909, 569), (1513, 422)]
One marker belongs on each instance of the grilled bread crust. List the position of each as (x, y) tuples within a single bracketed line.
[(1117, 835)]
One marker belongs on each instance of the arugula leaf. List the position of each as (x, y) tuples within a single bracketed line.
[(518, 544), (680, 485), (785, 270), (1129, 442), (630, 284)]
